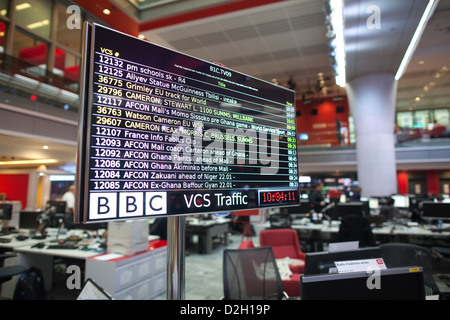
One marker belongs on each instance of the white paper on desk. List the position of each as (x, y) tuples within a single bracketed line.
[(359, 265), (343, 246), (109, 256)]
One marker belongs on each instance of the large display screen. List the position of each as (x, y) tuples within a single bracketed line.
[(164, 133)]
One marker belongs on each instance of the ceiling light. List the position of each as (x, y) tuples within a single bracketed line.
[(62, 177), (23, 6), (45, 147), (38, 24), (16, 162), (415, 39), (106, 12), (337, 23)]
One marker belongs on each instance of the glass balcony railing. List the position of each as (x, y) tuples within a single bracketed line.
[(438, 135), (30, 87)]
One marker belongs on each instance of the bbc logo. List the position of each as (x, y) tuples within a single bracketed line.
[(110, 205)]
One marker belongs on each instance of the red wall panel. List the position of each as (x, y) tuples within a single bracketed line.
[(15, 186), (402, 182), (320, 119)]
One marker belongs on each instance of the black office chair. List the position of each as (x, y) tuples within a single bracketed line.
[(405, 254), (251, 274), (356, 228)]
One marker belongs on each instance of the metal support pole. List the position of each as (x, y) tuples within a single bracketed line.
[(176, 228)]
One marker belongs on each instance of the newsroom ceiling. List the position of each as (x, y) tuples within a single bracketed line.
[(286, 39)]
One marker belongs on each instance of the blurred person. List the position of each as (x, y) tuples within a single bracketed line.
[(388, 211), (69, 198), (356, 194), (317, 199)]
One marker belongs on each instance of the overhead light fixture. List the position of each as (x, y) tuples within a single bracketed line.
[(19, 162), (38, 24), (23, 6), (336, 20), (106, 12), (19, 7), (62, 177), (416, 37)]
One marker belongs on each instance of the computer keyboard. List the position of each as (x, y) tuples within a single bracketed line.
[(62, 246), (70, 243)]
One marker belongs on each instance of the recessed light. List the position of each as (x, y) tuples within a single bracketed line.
[(45, 147), (416, 37), (107, 12), (16, 162)]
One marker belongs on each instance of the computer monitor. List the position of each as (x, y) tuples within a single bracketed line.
[(6, 210), (323, 262), (403, 283), (29, 219), (303, 208), (416, 202), (352, 208), (401, 201), (436, 210), (374, 203)]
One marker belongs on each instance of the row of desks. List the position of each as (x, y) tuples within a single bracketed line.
[(316, 234), (41, 257), (389, 228)]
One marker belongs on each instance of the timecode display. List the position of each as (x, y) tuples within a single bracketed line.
[(269, 198)]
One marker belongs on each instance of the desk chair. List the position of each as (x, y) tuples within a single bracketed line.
[(284, 243), (6, 273), (291, 286), (405, 254), (251, 274)]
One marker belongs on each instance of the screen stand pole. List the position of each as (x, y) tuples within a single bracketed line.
[(176, 227)]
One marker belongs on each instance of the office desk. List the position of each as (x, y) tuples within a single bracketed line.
[(316, 234), (7, 288), (388, 232), (43, 259), (206, 230), (14, 243)]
